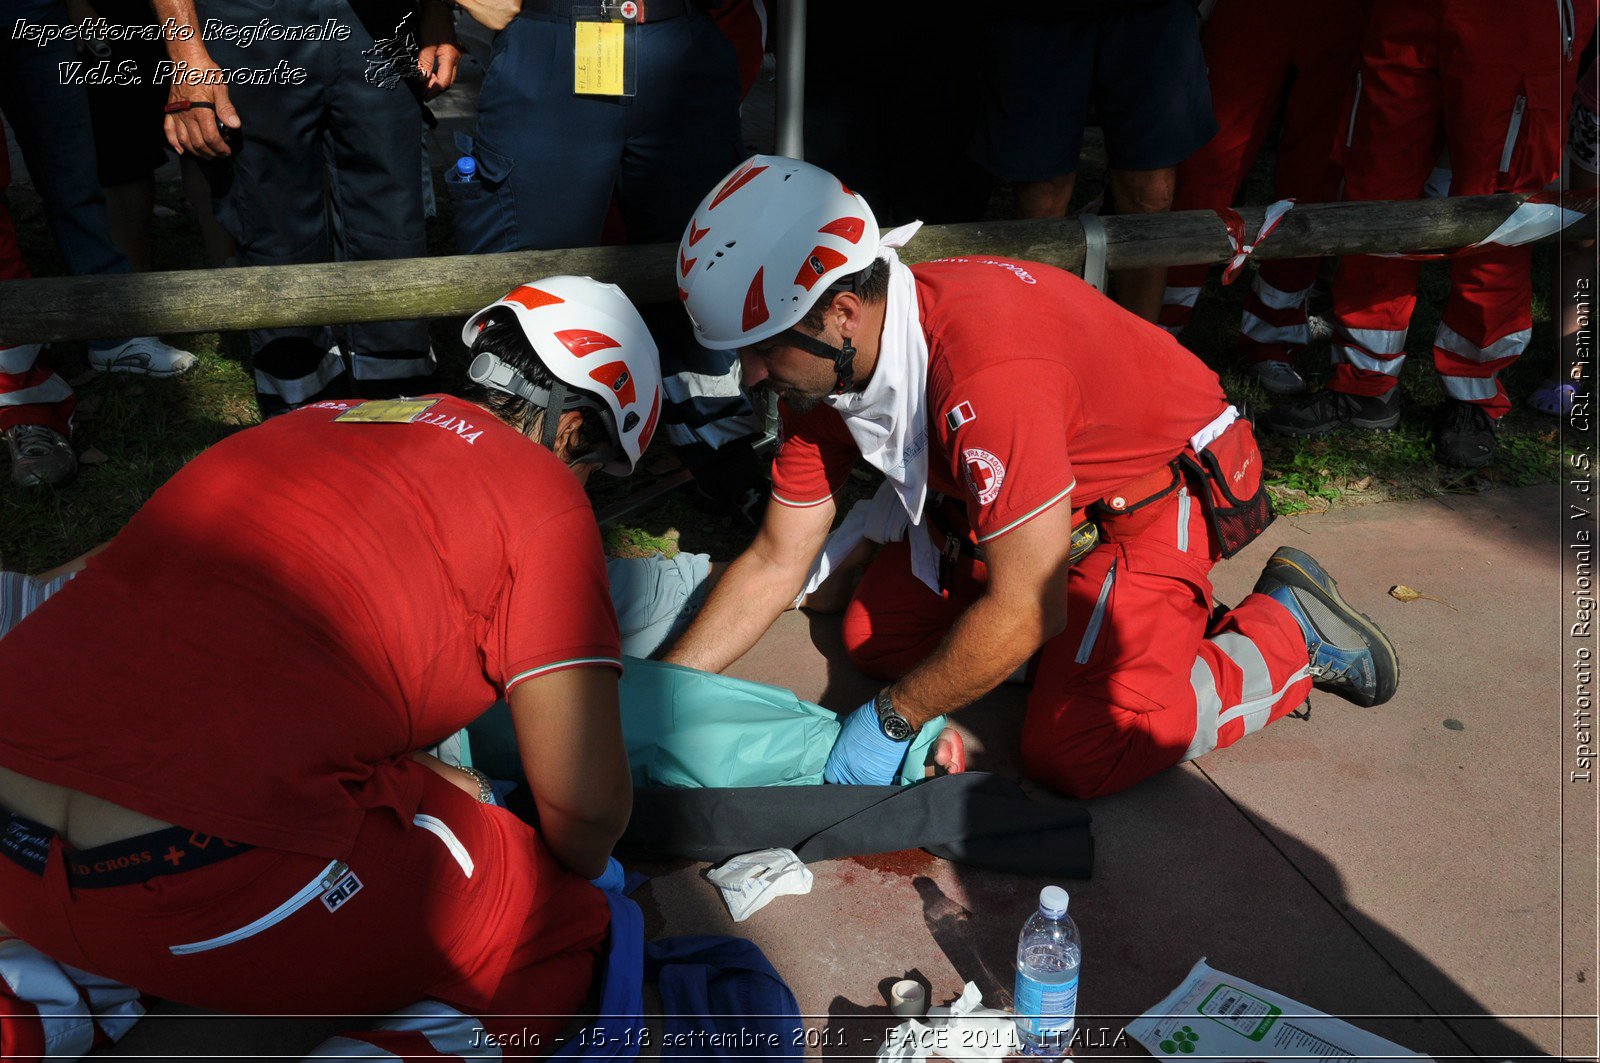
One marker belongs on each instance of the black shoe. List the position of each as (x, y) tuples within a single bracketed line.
[(1465, 435), (1324, 411)]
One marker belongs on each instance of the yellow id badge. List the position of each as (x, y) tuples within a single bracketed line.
[(387, 411), (599, 58)]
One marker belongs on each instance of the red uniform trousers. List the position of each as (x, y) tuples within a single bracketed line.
[(1254, 49), (1143, 677), (462, 923), (29, 392), (1492, 81)]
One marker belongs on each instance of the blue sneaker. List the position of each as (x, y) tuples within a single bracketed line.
[(1349, 655)]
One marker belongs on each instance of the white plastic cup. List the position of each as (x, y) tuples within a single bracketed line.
[(908, 999)]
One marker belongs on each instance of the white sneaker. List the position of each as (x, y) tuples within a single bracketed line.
[(1280, 378), (144, 355)]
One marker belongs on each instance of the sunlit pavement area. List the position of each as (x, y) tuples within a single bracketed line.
[(1400, 866)]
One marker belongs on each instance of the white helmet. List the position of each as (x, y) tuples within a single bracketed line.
[(593, 341), (765, 245)]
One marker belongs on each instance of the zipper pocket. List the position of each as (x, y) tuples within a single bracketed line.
[(1183, 518), (437, 827), (1350, 134), (1512, 130), (1091, 634), (325, 880)]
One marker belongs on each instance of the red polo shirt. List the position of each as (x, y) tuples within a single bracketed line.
[(302, 603), (1039, 387)]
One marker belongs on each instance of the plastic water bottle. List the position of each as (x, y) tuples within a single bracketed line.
[(1049, 953), (466, 169)]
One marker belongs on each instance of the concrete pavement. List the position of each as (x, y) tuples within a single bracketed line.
[(1398, 866)]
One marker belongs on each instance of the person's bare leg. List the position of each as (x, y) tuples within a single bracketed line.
[(75, 565), (219, 244), (130, 206), (1141, 192), (1045, 199)]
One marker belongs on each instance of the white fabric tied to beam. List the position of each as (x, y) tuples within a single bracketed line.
[(1235, 227), (1529, 222), (1094, 251), (1544, 214)]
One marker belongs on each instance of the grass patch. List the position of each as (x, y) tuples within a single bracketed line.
[(142, 432)]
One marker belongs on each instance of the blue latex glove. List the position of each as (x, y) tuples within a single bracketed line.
[(863, 755), (611, 879)]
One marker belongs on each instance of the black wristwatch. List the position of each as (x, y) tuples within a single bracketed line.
[(895, 727)]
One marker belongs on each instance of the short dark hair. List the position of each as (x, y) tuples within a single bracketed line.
[(872, 284), (502, 337)]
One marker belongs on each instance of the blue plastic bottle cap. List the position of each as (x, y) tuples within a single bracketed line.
[(466, 166), (1053, 901)]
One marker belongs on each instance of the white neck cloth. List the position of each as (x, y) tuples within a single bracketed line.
[(888, 419)]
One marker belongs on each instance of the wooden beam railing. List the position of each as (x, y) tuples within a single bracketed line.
[(76, 308)]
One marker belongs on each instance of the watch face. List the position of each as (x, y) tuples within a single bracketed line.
[(896, 728)]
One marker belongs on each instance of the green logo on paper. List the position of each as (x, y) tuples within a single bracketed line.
[(1183, 1040)]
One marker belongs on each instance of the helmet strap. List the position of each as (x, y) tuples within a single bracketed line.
[(491, 372), (553, 410), (843, 358)]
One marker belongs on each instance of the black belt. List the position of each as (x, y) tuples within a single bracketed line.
[(647, 10), (1085, 537), (125, 863)]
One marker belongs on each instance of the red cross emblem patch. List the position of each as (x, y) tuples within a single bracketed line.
[(985, 474)]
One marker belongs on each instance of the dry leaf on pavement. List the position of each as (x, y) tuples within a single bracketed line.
[(1401, 593)]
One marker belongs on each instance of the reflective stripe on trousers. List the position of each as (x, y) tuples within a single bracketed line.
[(1273, 316), (70, 1009), (425, 1029), (297, 390), (1469, 372), (1378, 350), (1258, 697)]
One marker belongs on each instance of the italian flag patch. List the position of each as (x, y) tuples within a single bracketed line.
[(959, 415)]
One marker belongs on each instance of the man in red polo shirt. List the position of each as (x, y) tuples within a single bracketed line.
[(1027, 400), (210, 788)]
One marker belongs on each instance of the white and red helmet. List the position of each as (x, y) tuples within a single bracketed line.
[(593, 341), (764, 246)]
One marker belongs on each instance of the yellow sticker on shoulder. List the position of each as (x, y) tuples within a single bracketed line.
[(387, 411)]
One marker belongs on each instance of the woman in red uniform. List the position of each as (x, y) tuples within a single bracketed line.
[(209, 781)]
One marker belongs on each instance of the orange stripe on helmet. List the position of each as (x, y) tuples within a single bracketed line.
[(532, 298), (741, 177), (650, 424), (755, 301), (583, 342), (845, 228), (615, 376), (820, 261)]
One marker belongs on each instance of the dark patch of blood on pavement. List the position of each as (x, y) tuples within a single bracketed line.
[(905, 862)]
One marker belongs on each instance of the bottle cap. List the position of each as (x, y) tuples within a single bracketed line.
[(1053, 901), (466, 166)]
